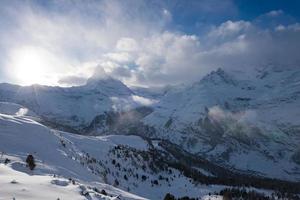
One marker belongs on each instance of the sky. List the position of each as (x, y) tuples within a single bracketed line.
[(143, 43)]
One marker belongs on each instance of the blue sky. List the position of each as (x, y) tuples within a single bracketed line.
[(188, 14), (146, 43), (250, 9)]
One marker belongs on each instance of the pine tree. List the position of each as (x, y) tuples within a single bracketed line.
[(30, 162), (169, 197)]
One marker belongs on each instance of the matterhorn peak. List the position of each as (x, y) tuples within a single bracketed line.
[(99, 74), (100, 80)]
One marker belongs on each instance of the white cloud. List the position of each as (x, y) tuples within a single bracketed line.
[(22, 112), (274, 13), (230, 28), (218, 114), (122, 57), (291, 27), (127, 44), (280, 28), (171, 58), (132, 42), (143, 101)]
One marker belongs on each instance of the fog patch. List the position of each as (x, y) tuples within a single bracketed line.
[(22, 112), (143, 101)]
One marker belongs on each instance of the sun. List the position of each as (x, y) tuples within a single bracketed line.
[(31, 65)]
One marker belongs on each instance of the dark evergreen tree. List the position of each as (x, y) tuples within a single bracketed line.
[(6, 161), (144, 178), (30, 162), (103, 192), (169, 197)]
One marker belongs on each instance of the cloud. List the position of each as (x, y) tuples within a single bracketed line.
[(169, 58), (218, 114), (252, 47), (120, 103), (242, 125), (274, 13), (143, 43), (127, 44), (143, 101), (292, 27), (229, 29), (75, 33)]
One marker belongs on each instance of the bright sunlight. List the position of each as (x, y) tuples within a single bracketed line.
[(31, 65)]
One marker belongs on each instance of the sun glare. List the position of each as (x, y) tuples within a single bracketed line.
[(30, 66)]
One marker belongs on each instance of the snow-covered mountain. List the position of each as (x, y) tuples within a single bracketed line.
[(74, 107), (234, 120), (176, 140)]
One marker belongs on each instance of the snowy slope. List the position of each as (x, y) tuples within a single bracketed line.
[(86, 159), (20, 185), (21, 136)]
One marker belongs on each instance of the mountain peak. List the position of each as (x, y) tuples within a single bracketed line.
[(219, 76), (98, 75), (102, 82)]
